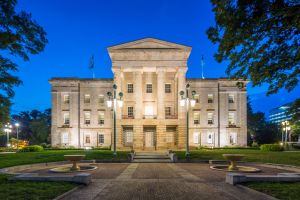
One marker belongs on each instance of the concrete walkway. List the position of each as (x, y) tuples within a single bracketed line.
[(162, 181)]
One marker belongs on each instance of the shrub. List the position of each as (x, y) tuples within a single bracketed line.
[(45, 145), (32, 148), (271, 147)]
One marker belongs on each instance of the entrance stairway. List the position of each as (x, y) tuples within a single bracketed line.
[(151, 157)]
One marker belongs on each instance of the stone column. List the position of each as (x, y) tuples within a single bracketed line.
[(138, 90), (181, 110), (160, 94)]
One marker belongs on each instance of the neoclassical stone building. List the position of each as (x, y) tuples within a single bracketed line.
[(150, 73)]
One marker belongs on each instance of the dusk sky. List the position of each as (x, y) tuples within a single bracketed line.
[(76, 29)]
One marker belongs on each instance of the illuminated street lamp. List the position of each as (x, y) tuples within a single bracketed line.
[(286, 128), (112, 99), (186, 101), (7, 130), (17, 126)]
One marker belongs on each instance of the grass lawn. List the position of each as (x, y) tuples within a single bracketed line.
[(289, 158), (284, 191), (22, 158), (31, 190)]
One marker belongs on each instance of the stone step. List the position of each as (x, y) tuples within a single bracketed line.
[(151, 157), (151, 161)]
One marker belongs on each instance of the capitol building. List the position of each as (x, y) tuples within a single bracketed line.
[(154, 111)]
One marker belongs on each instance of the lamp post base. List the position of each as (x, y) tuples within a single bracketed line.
[(115, 155), (187, 156)]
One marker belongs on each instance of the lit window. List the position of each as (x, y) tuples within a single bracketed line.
[(129, 136), (196, 118), (101, 139), (168, 111), (66, 118), (65, 138), (87, 139), (87, 98), (232, 138), (167, 88), (148, 88), (130, 111), (196, 137), (230, 98), (101, 99), (129, 88), (210, 118), (101, 118), (66, 99), (231, 120), (87, 118), (210, 137), (210, 98)]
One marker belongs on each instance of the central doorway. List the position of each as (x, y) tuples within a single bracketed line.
[(149, 138)]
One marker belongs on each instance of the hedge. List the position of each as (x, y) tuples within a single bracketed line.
[(32, 148), (271, 147)]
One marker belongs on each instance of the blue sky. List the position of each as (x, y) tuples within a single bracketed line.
[(76, 29)]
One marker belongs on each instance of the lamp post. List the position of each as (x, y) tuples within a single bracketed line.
[(7, 130), (185, 102), (112, 99), (17, 126), (286, 128)]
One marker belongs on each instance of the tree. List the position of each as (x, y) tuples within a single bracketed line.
[(259, 130), (19, 36), (261, 38), (35, 125), (294, 111)]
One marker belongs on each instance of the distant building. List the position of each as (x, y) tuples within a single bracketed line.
[(278, 114)]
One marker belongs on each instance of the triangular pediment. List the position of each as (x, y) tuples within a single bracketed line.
[(149, 43)]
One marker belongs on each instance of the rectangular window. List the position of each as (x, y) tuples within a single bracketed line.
[(230, 98), (87, 118), (130, 111), (196, 137), (101, 99), (232, 138), (210, 118), (167, 88), (65, 138), (66, 118), (129, 136), (87, 139), (87, 98), (231, 120), (210, 98), (210, 137), (196, 117), (101, 139), (168, 111), (101, 118), (170, 137), (66, 99), (148, 88), (129, 88)]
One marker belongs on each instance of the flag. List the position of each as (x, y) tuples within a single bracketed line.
[(91, 64)]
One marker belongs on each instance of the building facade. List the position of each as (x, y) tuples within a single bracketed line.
[(150, 73), (279, 114)]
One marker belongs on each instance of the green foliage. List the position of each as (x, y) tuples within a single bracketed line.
[(20, 36), (261, 40), (36, 125), (20, 190), (23, 158), (283, 191), (32, 148), (259, 130), (271, 147)]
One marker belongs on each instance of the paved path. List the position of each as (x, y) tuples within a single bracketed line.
[(161, 181)]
